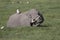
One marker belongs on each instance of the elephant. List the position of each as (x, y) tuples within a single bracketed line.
[(31, 17)]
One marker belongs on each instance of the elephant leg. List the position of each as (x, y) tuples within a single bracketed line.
[(31, 24)]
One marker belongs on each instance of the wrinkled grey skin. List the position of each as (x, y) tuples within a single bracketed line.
[(25, 18)]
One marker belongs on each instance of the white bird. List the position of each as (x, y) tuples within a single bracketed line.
[(2, 27), (17, 11)]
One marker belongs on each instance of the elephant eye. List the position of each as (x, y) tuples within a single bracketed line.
[(30, 16)]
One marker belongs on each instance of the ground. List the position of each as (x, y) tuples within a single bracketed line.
[(50, 29)]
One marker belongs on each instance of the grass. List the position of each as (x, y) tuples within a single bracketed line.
[(50, 29)]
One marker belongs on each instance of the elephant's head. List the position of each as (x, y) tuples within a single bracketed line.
[(36, 17)]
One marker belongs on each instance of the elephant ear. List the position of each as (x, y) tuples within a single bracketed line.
[(41, 17)]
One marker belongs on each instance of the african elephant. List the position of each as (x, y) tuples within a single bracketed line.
[(29, 18)]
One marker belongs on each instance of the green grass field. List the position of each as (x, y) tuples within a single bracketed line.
[(50, 29)]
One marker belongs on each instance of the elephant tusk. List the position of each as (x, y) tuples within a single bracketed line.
[(37, 18), (32, 20)]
